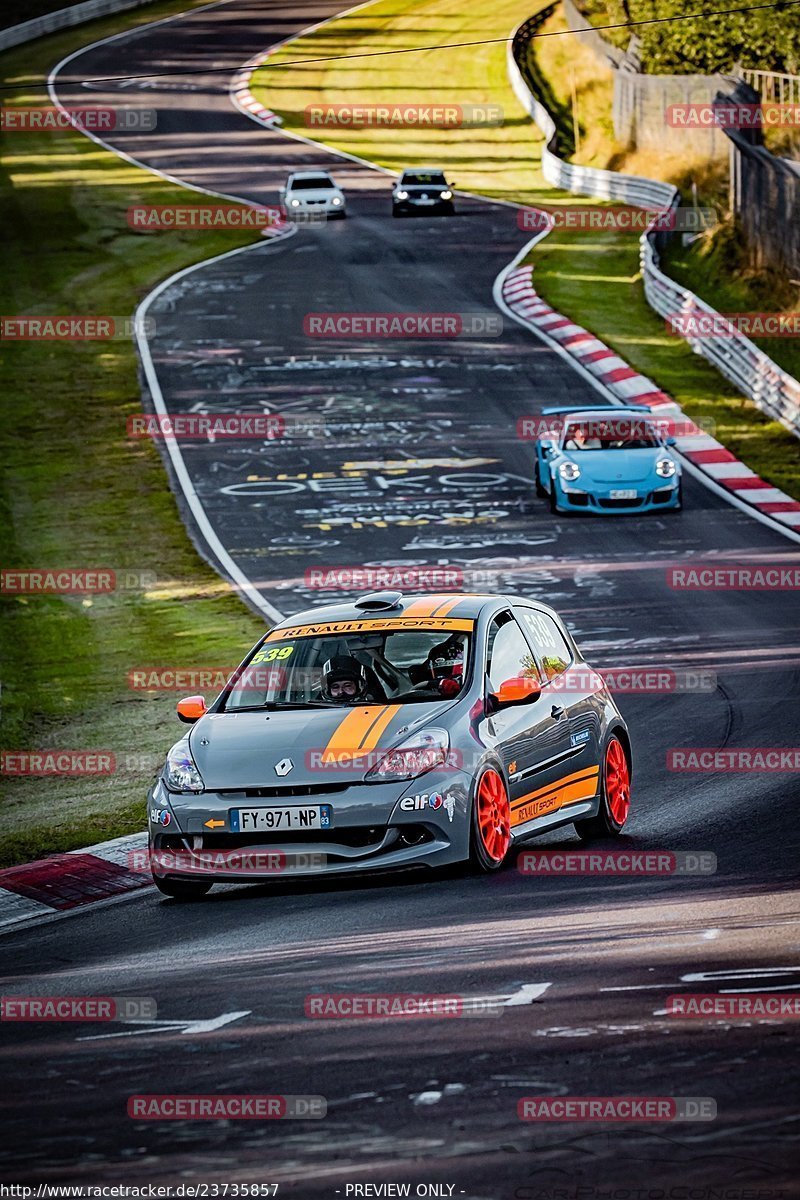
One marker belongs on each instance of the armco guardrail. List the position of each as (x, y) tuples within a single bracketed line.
[(750, 370), (63, 18)]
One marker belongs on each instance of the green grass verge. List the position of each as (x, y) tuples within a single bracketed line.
[(593, 276), (77, 492)]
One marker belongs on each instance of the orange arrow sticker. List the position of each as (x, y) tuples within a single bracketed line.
[(212, 824)]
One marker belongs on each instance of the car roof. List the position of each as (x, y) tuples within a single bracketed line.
[(310, 174), (452, 604), (423, 170)]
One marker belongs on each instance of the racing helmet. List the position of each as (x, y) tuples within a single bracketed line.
[(446, 665), (343, 668)]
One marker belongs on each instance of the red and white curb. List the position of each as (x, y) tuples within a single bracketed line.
[(69, 881), (244, 99), (627, 386)]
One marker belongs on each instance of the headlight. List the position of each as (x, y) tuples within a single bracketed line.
[(569, 471), (415, 756), (402, 195), (182, 774), (666, 468), (447, 195), (336, 200), (295, 203)]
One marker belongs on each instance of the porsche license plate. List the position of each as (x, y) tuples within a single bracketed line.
[(268, 820), (623, 494)]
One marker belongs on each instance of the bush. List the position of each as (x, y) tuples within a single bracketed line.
[(767, 40)]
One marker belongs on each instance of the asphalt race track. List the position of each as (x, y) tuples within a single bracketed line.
[(419, 463)]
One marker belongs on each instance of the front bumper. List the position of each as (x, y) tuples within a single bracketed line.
[(315, 208), (649, 499), (423, 206), (374, 827)]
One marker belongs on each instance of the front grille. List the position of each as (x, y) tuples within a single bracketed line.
[(663, 495), (285, 793), (356, 836), (577, 499), (636, 503)]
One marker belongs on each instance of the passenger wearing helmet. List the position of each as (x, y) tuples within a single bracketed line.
[(445, 666), (344, 680)]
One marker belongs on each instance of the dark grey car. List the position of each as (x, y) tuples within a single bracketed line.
[(422, 190), (391, 732)]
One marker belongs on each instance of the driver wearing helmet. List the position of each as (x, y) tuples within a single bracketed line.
[(445, 666), (344, 680)]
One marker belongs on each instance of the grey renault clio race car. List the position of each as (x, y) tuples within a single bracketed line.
[(395, 731)]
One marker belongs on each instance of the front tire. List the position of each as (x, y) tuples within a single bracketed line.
[(615, 796), (537, 479), (490, 829), (552, 497), (182, 889)]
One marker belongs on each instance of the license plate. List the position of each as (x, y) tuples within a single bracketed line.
[(624, 494), (268, 820)]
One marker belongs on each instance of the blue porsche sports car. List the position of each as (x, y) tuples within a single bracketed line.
[(607, 460)]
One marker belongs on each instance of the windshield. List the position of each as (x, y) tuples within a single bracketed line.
[(316, 181), (402, 666), (631, 433), (423, 177)]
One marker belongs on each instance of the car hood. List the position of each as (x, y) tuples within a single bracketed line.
[(242, 750), (313, 193), (616, 466)]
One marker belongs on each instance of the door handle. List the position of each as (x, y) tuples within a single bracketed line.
[(557, 712)]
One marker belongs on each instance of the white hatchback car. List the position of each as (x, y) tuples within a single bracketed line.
[(310, 193)]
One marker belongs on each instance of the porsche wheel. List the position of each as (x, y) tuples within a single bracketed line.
[(615, 798), (552, 495), (490, 835), (182, 889)]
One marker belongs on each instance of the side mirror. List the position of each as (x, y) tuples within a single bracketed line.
[(191, 709), (519, 690), (547, 447), (671, 441)]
